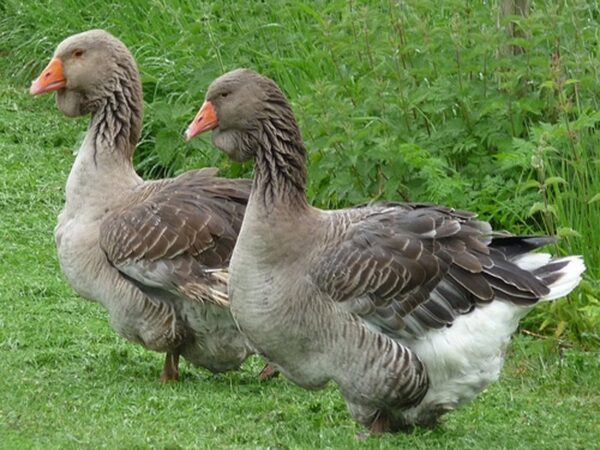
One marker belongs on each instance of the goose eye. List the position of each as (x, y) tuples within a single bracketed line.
[(224, 94), (78, 53)]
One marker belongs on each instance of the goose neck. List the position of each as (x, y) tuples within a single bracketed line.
[(280, 172)]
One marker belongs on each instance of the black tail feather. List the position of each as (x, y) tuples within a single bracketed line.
[(512, 246)]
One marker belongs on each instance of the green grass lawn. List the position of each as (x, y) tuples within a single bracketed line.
[(68, 381)]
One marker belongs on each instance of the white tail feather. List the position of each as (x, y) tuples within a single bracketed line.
[(532, 261), (571, 276)]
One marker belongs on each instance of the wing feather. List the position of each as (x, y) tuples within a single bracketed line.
[(176, 233), (409, 268)]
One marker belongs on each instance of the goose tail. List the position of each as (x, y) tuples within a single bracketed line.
[(560, 275)]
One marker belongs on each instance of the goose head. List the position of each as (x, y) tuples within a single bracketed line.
[(85, 68), (237, 106)]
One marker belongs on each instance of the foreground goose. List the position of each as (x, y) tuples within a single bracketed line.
[(154, 253), (407, 307)]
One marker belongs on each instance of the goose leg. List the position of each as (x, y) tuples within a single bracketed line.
[(381, 424), (170, 370), (268, 372)]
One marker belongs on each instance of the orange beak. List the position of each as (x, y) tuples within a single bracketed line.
[(205, 120), (51, 78)]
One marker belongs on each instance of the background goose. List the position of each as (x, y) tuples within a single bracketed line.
[(407, 307), (154, 253)]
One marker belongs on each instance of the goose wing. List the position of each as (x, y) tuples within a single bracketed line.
[(178, 234), (410, 268)]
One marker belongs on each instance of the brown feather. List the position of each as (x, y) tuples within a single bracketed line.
[(421, 266), (188, 224)]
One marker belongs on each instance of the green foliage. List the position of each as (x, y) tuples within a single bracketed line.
[(411, 100)]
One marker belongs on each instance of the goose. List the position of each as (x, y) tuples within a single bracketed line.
[(153, 253), (407, 307)]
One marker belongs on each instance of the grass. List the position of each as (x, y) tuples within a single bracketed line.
[(68, 381)]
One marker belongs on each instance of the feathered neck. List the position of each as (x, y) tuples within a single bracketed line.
[(117, 110), (103, 168), (280, 172)]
